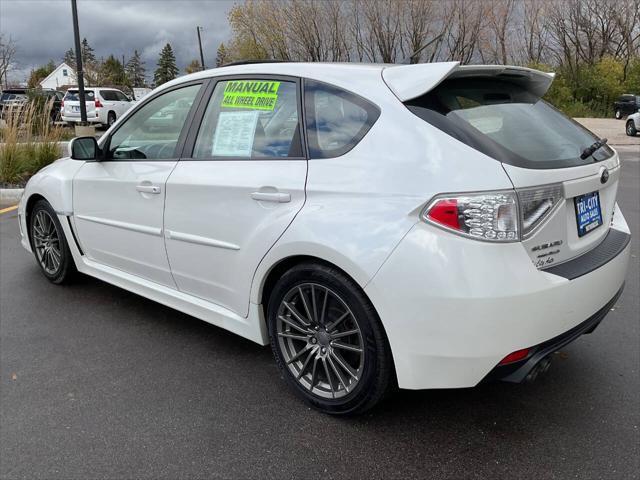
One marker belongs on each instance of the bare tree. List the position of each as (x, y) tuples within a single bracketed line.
[(8, 50)]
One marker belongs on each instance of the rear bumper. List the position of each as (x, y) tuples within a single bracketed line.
[(453, 308), (520, 371), (90, 119)]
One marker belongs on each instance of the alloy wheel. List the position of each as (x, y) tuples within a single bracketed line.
[(320, 340), (46, 242)]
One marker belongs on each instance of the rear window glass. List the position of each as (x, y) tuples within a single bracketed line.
[(506, 122), (74, 95), (336, 119)]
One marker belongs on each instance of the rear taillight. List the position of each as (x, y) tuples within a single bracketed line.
[(61, 103), (536, 204), (491, 216), (515, 356), (98, 104)]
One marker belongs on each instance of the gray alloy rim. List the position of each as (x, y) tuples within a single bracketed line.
[(320, 340), (630, 129), (46, 242), (111, 120)]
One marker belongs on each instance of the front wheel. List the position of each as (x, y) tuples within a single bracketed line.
[(328, 340), (49, 244), (631, 129), (618, 114)]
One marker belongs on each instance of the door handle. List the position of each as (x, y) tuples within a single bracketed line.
[(271, 197), (148, 189)]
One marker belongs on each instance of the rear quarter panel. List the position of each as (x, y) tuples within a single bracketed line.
[(360, 205)]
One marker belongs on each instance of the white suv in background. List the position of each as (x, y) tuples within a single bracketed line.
[(430, 225), (104, 105)]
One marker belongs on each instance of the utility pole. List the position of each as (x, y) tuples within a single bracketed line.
[(200, 44), (80, 73)]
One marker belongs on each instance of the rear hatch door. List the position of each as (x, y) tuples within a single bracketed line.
[(72, 103), (567, 191)]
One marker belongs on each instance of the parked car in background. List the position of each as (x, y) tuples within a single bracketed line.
[(17, 97), (427, 226), (104, 105), (55, 98), (632, 127), (12, 97), (626, 105)]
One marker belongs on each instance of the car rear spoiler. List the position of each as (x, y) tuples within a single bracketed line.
[(411, 81)]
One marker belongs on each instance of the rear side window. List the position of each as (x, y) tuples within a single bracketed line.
[(507, 122), (74, 95), (336, 119), (251, 119), (109, 95)]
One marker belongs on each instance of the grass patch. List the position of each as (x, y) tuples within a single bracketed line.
[(29, 142)]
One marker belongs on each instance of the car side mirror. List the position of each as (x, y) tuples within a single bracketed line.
[(84, 148)]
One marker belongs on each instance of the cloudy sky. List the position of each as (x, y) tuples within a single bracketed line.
[(43, 29)]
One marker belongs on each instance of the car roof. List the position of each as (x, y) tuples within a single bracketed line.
[(405, 81)]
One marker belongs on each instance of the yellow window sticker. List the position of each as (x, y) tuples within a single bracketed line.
[(254, 94)]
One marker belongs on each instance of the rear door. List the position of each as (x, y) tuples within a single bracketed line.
[(72, 103), (123, 103), (237, 189)]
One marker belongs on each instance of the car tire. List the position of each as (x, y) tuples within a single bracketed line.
[(111, 119), (328, 341), (631, 129), (49, 244), (618, 114)]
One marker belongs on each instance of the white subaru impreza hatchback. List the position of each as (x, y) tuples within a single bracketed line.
[(425, 226)]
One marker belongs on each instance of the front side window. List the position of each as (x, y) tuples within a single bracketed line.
[(152, 132), (336, 119), (507, 122), (250, 119)]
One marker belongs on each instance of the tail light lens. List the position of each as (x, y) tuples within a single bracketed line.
[(536, 204), (491, 216), (98, 104), (61, 103)]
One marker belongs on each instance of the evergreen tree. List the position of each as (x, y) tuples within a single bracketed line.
[(222, 56), (111, 72), (167, 69), (40, 74), (70, 58), (88, 55), (193, 67), (135, 71)]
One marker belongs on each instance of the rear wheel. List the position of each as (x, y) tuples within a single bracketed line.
[(631, 129), (111, 119), (328, 340), (618, 114), (49, 244)]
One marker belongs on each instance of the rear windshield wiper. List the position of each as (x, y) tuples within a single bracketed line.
[(591, 149)]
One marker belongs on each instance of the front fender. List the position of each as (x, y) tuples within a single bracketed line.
[(54, 183)]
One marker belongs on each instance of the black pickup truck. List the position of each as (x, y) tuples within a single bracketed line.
[(626, 105)]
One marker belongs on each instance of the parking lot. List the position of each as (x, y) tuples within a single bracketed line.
[(97, 382)]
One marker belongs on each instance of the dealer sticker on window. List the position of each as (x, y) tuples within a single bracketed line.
[(588, 212), (253, 94)]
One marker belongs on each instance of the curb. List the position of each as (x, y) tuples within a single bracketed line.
[(10, 196)]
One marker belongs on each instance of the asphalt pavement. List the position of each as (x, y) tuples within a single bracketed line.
[(96, 382)]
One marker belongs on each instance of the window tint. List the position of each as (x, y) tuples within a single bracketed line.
[(74, 95), (152, 132), (250, 119), (507, 122), (122, 97), (109, 95), (336, 119)]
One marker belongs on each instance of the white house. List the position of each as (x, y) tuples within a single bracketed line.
[(63, 75)]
